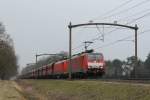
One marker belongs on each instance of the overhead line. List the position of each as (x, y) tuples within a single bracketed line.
[(120, 40), (147, 14), (125, 10), (121, 5), (134, 14), (94, 39), (78, 47)]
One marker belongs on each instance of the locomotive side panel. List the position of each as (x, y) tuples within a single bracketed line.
[(65, 66), (59, 68), (84, 63), (76, 64)]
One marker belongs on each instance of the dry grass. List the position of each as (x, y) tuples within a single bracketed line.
[(88, 90), (9, 90)]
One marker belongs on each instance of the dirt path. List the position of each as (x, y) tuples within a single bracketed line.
[(9, 90)]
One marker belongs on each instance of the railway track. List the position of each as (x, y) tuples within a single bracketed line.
[(128, 80)]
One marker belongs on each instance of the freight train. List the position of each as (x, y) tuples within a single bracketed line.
[(82, 66)]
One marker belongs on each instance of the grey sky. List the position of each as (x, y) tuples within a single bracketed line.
[(40, 26)]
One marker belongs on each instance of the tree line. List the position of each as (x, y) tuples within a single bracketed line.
[(8, 59), (128, 69)]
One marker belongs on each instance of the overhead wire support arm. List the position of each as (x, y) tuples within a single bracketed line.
[(45, 54), (112, 24)]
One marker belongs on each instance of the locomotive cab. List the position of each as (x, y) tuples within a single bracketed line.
[(96, 63)]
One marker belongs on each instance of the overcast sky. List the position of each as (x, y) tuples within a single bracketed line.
[(40, 26)]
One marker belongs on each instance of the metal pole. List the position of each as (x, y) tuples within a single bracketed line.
[(136, 58), (136, 42), (70, 50)]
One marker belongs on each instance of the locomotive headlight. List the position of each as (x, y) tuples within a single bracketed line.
[(101, 67)]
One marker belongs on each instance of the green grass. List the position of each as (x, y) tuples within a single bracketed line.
[(89, 90)]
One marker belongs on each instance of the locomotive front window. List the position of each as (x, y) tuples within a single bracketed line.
[(95, 57)]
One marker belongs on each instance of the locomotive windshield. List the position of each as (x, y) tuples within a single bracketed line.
[(95, 57)]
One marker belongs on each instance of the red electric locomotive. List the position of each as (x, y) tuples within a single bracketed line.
[(82, 65)]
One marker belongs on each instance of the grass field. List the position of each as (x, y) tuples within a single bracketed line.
[(84, 90)]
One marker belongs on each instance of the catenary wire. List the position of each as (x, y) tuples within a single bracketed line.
[(120, 40), (97, 38), (126, 10), (114, 9)]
